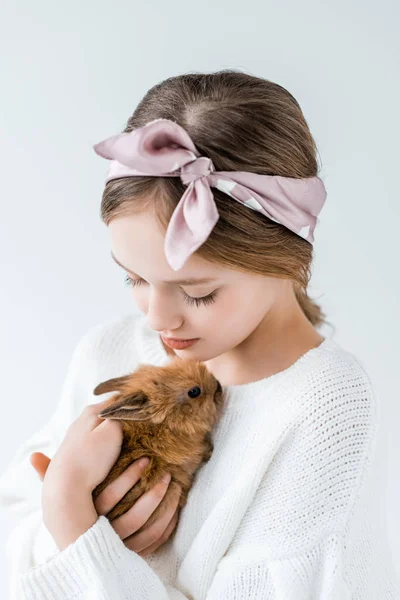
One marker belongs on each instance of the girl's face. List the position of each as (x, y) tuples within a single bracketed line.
[(222, 312)]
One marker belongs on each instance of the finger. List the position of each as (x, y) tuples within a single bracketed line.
[(153, 534), (89, 416), (40, 462), (171, 526), (138, 514), (117, 489), (38, 470), (111, 430)]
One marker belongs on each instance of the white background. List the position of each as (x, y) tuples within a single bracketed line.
[(71, 75)]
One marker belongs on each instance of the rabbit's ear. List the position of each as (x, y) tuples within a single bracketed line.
[(111, 385), (132, 408)]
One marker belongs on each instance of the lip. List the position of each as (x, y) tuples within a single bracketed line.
[(179, 344), (171, 339)]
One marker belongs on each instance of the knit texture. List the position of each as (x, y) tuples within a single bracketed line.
[(289, 506)]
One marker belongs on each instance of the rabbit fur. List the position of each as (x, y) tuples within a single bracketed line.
[(167, 413)]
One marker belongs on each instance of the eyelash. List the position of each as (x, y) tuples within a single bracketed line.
[(197, 301)]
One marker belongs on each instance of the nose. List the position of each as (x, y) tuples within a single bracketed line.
[(219, 388)]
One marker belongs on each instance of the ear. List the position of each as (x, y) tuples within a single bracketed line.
[(111, 385), (131, 408)]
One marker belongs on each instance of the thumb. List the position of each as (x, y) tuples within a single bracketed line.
[(40, 462), (111, 429)]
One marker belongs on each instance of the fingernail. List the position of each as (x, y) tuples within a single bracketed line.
[(144, 461), (166, 477)]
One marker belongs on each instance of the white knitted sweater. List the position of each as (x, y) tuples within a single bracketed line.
[(289, 506)]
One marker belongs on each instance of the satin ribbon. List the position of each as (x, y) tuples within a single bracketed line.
[(163, 148)]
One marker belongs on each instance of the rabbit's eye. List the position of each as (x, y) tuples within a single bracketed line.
[(194, 392)]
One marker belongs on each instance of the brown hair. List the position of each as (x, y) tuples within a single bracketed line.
[(243, 123)]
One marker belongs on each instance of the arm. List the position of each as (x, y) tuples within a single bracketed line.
[(20, 487)]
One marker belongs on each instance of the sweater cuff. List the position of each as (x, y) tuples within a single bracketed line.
[(69, 573)]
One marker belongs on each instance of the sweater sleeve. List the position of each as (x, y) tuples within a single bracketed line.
[(97, 565), (30, 543)]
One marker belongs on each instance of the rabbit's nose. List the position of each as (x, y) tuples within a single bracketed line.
[(219, 388)]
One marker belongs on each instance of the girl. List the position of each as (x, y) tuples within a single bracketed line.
[(214, 176)]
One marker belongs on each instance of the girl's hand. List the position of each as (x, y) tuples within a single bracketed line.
[(148, 540), (68, 509)]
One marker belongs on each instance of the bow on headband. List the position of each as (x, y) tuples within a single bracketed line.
[(163, 148)]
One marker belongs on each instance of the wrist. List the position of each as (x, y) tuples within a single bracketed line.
[(68, 515)]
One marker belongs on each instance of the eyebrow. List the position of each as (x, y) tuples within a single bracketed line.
[(190, 281)]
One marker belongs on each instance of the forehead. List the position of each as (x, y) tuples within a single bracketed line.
[(137, 244)]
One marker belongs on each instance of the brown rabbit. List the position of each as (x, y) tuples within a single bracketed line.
[(167, 413)]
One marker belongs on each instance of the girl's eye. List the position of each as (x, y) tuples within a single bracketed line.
[(204, 300)]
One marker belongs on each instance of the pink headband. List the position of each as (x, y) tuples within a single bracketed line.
[(163, 148)]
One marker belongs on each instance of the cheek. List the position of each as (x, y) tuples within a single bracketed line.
[(223, 317), (243, 310), (140, 299)]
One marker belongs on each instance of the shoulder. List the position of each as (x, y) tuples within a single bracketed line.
[(337, 417), (331, 444), (336, 384), (109, 335), (108, 349), (117, 329)]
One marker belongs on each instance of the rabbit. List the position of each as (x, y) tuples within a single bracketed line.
[(167, 413)]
